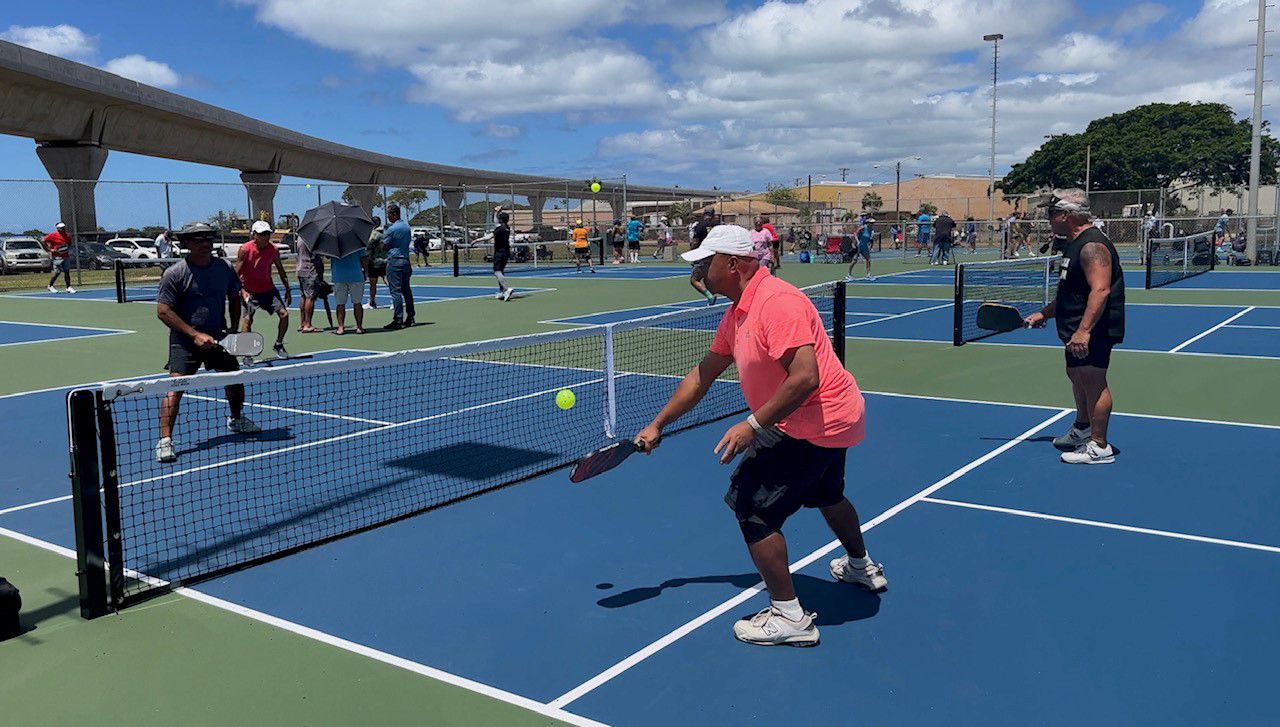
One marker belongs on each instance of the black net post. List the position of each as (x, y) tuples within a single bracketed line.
[(120, 291), (82, 429), (957, 332), (111, 505), (837, 320), (457, 264)]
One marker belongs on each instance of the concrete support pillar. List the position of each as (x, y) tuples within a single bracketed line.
[(74, 169), (453, 200), (261, 187), (537, 203), (365, 195)]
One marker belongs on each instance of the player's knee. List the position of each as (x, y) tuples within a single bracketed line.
[(754, 529)]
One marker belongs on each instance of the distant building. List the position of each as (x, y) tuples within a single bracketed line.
[(962, 196)]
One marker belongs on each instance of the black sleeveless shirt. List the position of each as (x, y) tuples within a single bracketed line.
[(1073, 290)]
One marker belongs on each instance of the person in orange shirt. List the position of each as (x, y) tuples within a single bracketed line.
[(254, 263), (582, 247), (806, 411)]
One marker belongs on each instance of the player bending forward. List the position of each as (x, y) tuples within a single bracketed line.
[(807, 411)]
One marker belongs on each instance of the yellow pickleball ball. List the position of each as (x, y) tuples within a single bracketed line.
[(565, 399), (595, 187)]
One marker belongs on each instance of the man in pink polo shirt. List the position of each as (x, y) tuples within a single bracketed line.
[(807, 411)]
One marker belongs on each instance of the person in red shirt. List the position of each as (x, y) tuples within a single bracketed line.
[(807, 411), (59, 246), (254, 262), (777, 242)]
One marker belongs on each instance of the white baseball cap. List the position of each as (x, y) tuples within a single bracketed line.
[(726, 239), (261, 226), (61, 225)]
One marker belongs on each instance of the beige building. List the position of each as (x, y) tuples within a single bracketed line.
[(961, 196)]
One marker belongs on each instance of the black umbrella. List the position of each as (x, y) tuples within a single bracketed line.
[(335, 230)]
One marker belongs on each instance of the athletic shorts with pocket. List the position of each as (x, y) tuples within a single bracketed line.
[(772, 482), (353, 292)]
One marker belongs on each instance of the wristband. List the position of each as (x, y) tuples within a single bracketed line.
[(754, 423)]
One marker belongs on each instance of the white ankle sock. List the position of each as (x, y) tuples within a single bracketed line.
[(862, 562), (791, 609)]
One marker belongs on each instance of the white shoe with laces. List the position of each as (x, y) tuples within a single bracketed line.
[(242, 425), (52, 289), (1090, 453), (165, 451), (71, 290), (506, 294), (771, 628), (1072, 440), (870, 577)]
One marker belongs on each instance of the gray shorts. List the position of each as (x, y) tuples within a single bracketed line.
[(344, 292)]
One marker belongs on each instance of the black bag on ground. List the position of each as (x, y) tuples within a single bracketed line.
[(10, 605)]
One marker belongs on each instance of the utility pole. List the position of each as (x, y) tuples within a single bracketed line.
[(1255, 149), (995, 39), (1088, 161), (844, 174)]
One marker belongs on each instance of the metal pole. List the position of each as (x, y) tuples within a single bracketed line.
[(168, 210), (1255, 148), (1088, 162), (995, 38), (318, 202), (897, 204)]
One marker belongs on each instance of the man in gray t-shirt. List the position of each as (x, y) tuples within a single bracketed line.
[(193, 301), (310, 272)]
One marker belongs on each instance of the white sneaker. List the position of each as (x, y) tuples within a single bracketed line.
[(1090, 453), (165, 451), (848, 278), (771, 628), (506, 294), (1072, 440), (869, 278), (871, 577), (242, 425), (71, 290), (52, 289)]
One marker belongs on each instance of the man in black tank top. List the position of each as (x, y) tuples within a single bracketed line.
[(1090, 314), (502, 254)]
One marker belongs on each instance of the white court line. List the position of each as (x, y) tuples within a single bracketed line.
[(689, 627), (74, 328), (30, 505), (290, 410), (1100, 524), (67, 339), (1162, 352), (351, 646), (1204, 333), (1263, 328), (898, 315)]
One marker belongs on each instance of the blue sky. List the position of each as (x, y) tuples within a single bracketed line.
[(689, 92)]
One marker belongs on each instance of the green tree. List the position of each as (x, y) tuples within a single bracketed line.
[(871, 202), (779, 195), (929, 208), (410, 200), (38, 234), (682, 211), (223, 220), (378, 201), (1149, 147)]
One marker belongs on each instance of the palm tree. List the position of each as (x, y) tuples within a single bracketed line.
[(871, 202)]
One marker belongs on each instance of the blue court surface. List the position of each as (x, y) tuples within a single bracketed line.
[(1218, 330), (1022, 591), (421, 293), (17, 333), (1134, 277)]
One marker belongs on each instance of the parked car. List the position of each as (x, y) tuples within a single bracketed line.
[(138, 248), (23, 253), (94, 256)]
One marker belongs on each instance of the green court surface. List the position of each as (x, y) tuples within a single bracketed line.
[(192, 659)]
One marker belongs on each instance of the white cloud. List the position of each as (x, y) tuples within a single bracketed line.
[(502, 131), (143, 70), (1080, 52), (63, 40), (1139, 16)]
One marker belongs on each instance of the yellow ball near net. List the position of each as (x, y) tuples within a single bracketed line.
[(565, 399)]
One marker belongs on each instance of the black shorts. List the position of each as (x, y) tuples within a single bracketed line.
[(268, 301), (582, 253), (500, 262), (1099, 355), (633, 244), (378, 270), (188, 360), (771, 484)]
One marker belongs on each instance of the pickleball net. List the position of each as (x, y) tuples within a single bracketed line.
[(1027, 284), (526, 257), (1172, 259), (139, 280), (347, 445)]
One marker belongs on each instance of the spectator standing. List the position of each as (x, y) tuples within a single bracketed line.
[(164, 248), (971, 234), (375, 260), (762, 244), (396, 240), (944, 231), (348, 284), (309, 270), (924, 231), (59, 246), (635, 229)]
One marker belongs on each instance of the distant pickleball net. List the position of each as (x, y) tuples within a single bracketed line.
[(1178, 258), (526, 257), (350, 444), (1027, 284), (139, 280)]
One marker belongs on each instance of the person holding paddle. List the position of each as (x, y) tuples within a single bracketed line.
[(807, 411), (1090, 312), (193, 301)]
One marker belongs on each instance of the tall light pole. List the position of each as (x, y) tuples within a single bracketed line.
[(1255, 149), (995, 39), (897, 186)]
